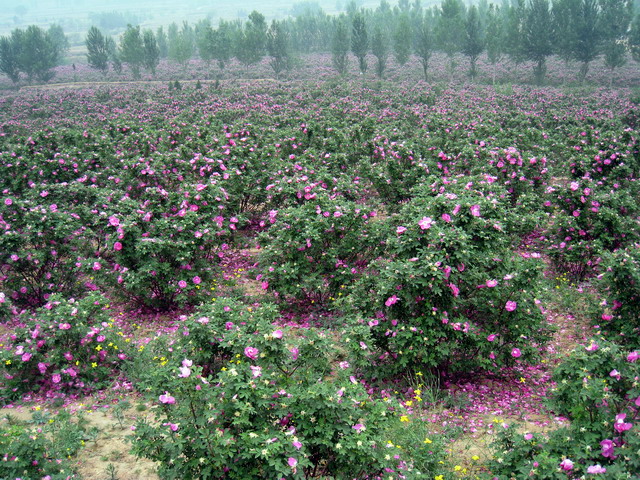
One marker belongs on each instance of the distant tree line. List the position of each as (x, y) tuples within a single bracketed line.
[(32, 52), (518, 30)]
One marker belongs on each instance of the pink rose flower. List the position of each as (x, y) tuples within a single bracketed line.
[(425, 223), (620, 425), (251, 352), (566, 465), (596, 469), (391, 300), (608, 449), (167, 399), (510, 306), (358, 427)]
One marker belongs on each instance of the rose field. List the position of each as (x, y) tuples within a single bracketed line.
[(320, 277)]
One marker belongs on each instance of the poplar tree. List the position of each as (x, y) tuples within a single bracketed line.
[(360, 41), (340, 45), (131, 49), (380, 50), (97, 51), (425, 45), (473, 44)]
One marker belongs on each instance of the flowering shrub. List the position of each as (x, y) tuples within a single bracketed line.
[(42, 450), (620, 284), (272, 405), (394, 169), (591, 218), (160, 246), (64, 345), (597, 389), (452, 295), (40, 246), (315, 251), (6, 309)]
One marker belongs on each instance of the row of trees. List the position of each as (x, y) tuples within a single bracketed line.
[(143, 49), (33, 52), (531, 30), (522, 30)]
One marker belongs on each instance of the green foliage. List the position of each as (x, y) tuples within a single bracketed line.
[(620, 284), (9, 63), (581, 28), (425, 45), (40, 250), (275, 406), (63, 346), (34, 52), (131, 49), (473, 44), (495, 37), (58, 39), (380, 49), (450, 24), (451, 294), (402, 40), (596, 388), (151, 51), (615, 19), (163, 256), (340, 46), (6, 309), (537, 36), (360, 41), (317, 250), (222, 45), (43, 450), (590, 219), (161, 39), (181, 43), (278, 47), (97, 51), (252, 42), (634, 39), (205, 39)]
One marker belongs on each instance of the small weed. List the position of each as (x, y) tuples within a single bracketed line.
[(119, 411), (112, 472)]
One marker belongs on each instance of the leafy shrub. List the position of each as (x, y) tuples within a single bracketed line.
[(590, 218), (315, 251), (453, 295), (6, 309), (40, 249), (275, 405), (42, 450), (160, 246), (394, 169), (596, 388), (64, 345), (620, 284), (517, 174)]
